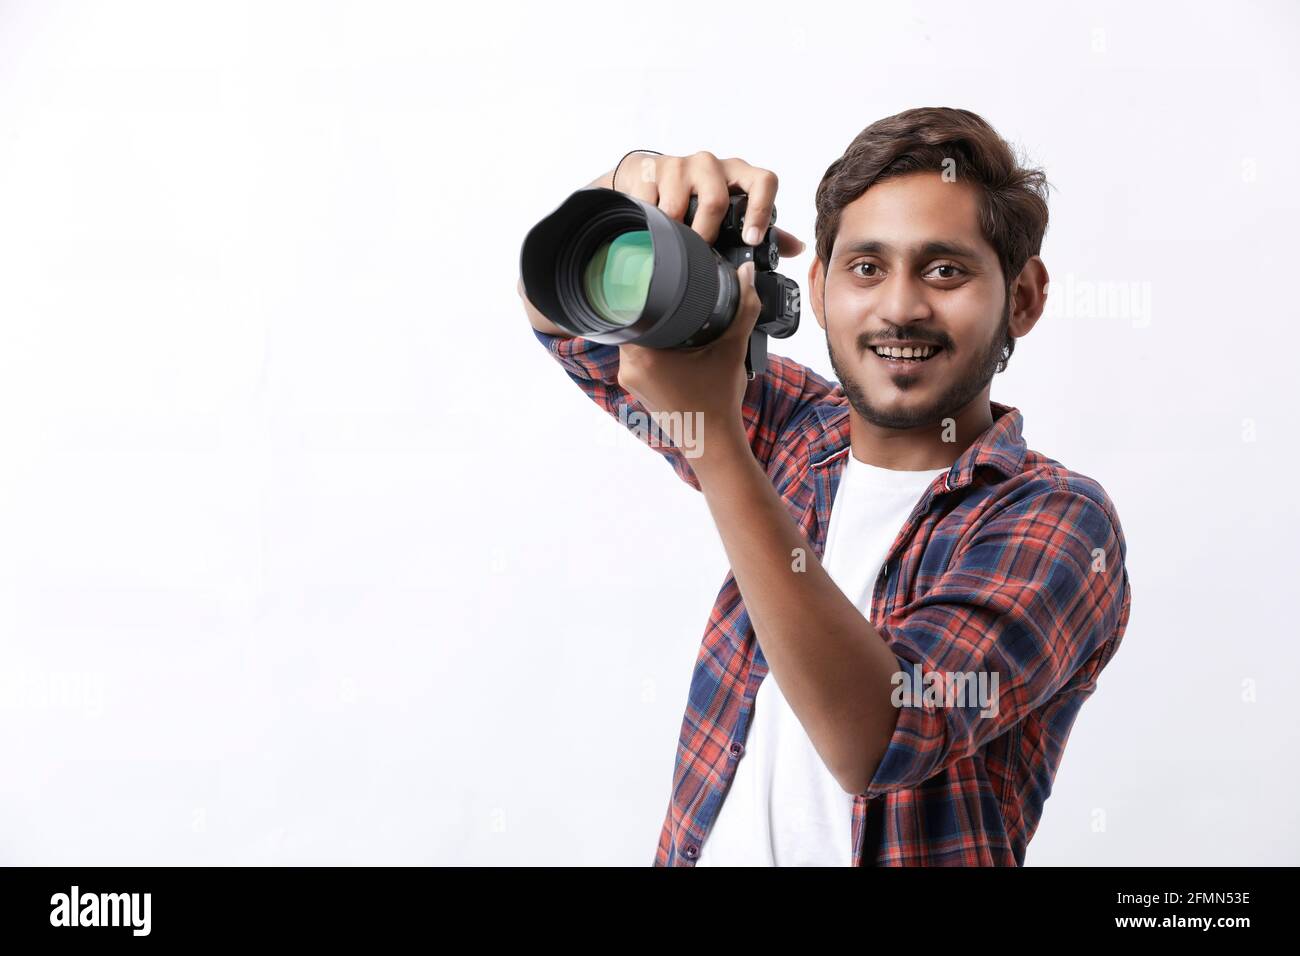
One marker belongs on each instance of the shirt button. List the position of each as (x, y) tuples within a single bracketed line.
[(692, 851), (737, 749)]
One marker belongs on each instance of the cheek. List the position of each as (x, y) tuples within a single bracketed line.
[(969, 319), (846, 313), (969, 302)]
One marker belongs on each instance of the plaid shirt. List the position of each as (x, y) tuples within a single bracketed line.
[(1009, 563)]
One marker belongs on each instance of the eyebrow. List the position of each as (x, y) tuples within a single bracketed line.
[(926, 250)]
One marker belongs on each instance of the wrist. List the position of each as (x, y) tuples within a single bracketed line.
[(722, 447), (613, 176)]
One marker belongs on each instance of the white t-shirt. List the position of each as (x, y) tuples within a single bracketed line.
[(784, 808)]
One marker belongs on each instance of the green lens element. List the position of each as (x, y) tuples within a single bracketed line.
[(617, 277)]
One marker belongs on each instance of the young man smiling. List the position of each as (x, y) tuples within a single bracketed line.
[(941, 546)]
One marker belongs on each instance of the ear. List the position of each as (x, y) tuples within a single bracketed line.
[(1028, 297), (817, 289)]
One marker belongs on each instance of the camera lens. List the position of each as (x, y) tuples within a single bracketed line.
[(616, 278), (613, 269)]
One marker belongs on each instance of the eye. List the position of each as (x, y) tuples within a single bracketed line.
[(954, 269)]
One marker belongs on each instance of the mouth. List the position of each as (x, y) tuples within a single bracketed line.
[(905, 357)]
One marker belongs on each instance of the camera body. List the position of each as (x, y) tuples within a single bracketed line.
[(779, 294)]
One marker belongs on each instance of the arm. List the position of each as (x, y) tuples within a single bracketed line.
[(834, 669), (772, 401), (1021, 599), (1039, 596), (775, 399)]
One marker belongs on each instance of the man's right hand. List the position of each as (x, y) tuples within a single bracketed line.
[(669, 182)]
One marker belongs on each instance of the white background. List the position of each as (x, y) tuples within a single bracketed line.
[(310, 554)]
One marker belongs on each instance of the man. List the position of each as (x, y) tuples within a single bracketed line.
[(928, 658)]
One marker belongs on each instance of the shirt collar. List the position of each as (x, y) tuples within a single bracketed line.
[(1001, 446)]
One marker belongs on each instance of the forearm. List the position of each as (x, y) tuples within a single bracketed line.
[(833, 666)]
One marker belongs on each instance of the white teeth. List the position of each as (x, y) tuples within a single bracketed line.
[(921, 351)]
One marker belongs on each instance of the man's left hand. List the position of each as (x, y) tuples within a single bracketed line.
[(709, 380)]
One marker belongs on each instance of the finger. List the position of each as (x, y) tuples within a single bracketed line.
[(760, 185), (708, 181), (787, 244), (749, 307), (674, 188)]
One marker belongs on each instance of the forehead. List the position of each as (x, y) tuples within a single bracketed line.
[(909, 210)]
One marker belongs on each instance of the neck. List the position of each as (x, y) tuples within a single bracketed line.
[(925, 447)]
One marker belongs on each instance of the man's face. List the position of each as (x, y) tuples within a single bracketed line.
[(910, 265)]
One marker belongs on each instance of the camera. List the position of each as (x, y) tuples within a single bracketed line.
[(612, 268)]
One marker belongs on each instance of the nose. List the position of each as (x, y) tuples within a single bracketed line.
[(901, 301)]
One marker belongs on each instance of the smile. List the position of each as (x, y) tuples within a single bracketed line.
[(906, 356)]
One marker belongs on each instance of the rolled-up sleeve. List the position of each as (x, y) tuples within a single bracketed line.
[(772, 401), (1038, 596)]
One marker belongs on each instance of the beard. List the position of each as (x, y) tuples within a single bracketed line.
[(959, 393)]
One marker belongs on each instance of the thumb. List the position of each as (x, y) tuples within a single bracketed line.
[(750, 306)]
